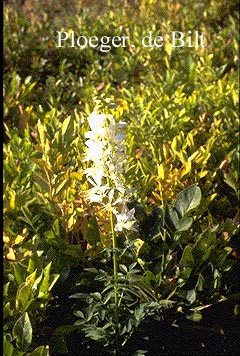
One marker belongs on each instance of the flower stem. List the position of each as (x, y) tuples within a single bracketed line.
[(115, 264)]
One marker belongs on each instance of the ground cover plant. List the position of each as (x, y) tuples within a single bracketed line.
[(121, 192)]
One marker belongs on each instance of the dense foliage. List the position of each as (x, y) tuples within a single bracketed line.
[(66, 275)]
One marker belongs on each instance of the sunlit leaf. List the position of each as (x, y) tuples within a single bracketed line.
[(22, 332), (11, 254), (25, 293)]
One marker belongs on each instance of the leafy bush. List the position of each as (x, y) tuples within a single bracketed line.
[(182, 149)]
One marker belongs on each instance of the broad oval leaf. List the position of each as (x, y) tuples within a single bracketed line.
[(188, 200), (184, 224), (22, 332), (123, 268)]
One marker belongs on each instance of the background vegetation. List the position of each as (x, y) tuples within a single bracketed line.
[(181, 107)]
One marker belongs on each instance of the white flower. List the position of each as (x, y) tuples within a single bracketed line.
[(95, 178), (94, 150), (125, 219), (97, 194), (96, 120)]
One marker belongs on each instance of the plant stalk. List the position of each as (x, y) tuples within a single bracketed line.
[(115, 265)]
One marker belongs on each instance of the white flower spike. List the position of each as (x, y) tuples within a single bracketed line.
[(105, 150)]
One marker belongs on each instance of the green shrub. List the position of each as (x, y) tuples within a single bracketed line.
[(181, 110)]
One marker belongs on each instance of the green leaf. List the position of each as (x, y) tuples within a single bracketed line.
[(65, 125), (45, 281), (74, 251), (191, 296), (196, 316), (175, 222), (184, 224), (18, 273), (204, 245), (97, 296), (123, 268), (22, 332), (149, 277), (7, 310), (188, 200), (8, 348), (53, 280), (15, 83), (41, 131), (237, 310), (172, 218), (222, 256), (200, 283), (229, 179), (92, 233), (186, 273), (25, 293), (69, 136), (60, 186), (39, 351), (42, 182), (140, 353), (187, 259), (48, 281), (139, 314), (56, 228)]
